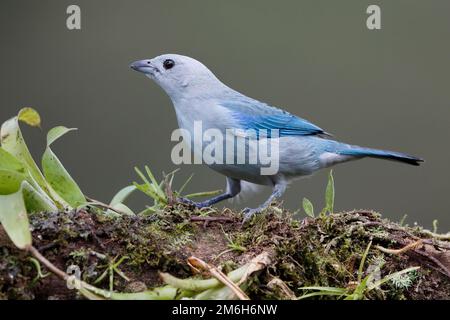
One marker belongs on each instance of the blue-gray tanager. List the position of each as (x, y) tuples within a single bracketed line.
[(303, 147)]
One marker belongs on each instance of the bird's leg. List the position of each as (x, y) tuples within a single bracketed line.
[(206, 203), (233, 188), (277, 192)]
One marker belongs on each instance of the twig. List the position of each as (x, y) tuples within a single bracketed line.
[(83, 286), (171, 199), (280, 286), (443, 269), (411, 246), (436, 235), (222, 253), (50, 266), (48, 246), (210, 219), (219, 275), (206, 219), (258, 263), (437, 244)]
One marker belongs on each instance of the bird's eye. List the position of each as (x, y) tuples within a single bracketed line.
[(168, 64)]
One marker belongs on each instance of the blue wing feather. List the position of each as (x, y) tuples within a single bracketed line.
[(252, 114)]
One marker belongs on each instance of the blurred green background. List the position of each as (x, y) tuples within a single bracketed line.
[(388, 88)]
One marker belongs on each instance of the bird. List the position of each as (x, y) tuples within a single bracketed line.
[(303, 147)]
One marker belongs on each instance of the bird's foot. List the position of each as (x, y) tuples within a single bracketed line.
[(187, 201), (249, 213)]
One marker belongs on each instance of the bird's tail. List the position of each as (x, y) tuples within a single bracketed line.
[(360, 152)]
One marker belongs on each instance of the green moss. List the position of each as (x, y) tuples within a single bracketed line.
[(325, 251)]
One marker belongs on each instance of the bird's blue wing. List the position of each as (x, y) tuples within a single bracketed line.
[(252, 114)]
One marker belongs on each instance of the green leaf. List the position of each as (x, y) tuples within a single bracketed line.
[(10, 181), (323, 291), (35, 201), (161, 293), (185, 184), (363, 261), (157, 187), (12, 141), (37, 265), (308, 207), (56, 175), (148, 191), (14, 219), (9, 162), (358, 294), (320, 293), (329, 289), (122, 208), (189, 284), (10, 165), (203, 194), (152, 189), (30, 116), (329, 194), (119, 198), (56, 133), (122, 195)]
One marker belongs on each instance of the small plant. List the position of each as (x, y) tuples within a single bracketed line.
[(24, 188), (402, 220), (111, 268), (162, 192), (22, 183), (153, 188), (359, 289), (404, 281), (38, 268), (329, 199), (329, 195), (435, 226), (308, 207), (233, 244)]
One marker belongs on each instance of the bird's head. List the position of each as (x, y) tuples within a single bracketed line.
[(178, 75)]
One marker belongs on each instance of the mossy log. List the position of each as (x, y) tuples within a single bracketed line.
[(323, 251)]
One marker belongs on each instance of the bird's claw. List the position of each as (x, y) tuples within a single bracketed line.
[(249, 213), (186, 201)]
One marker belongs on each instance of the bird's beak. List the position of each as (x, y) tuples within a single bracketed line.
[(144, 66)]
